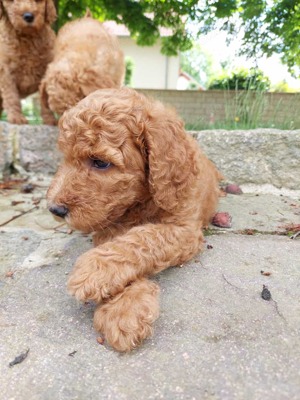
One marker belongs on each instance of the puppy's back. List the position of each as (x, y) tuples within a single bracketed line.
[(83, 34)]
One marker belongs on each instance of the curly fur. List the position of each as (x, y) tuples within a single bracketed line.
[(26, 48), (146, 210), (86, 58)]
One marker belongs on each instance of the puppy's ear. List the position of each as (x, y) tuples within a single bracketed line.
[(50, 12), (171, 156)]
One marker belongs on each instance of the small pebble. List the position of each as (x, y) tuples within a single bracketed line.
[(266, 294), (265, 273), (222, 220), (19, 359), (100, 340), (233, 189), (27, 188)]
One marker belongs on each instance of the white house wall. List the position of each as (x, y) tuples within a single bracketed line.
[(152, 70)]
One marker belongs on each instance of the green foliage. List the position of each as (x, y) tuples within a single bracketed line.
[(224, 8), (242, 79), (129, 66), (248, 109), (192, 86), (142, 18), (269, 26), (198, 64), (31, 109), (282, 87), (283, 36)]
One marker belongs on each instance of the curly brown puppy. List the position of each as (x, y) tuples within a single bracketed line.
[(26, 48), (86, 58), (140, 183)]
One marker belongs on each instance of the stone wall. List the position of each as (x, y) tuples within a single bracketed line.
[(211, 106), (260, 156), (33, 147)]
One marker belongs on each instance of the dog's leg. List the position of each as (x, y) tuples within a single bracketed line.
[(145, 250), (47, 115), (126, 320), (11, 101), (110, 233)]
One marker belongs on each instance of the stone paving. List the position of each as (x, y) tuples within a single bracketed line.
[(216, 337)]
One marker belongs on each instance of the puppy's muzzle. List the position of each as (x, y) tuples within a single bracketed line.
[(28, 17), (59, 211)]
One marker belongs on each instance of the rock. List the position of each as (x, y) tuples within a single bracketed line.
[(32, 147), (222, 220), (257, 156), (233, 189)]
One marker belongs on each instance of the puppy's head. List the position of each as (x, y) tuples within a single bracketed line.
[(120, 150), (28, 16)]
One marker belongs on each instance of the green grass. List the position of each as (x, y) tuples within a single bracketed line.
[(230, 125), (32, 113), (245, 110), (30, 110)]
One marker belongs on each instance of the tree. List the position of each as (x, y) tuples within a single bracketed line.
[(142, 18), (268, 26), (198, 63), (242, 79), (283, 87)]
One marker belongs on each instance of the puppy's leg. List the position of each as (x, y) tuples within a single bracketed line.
[(46, 113), (11, 102), (126, 320), (106, 270), (109, 234), (48, 116)]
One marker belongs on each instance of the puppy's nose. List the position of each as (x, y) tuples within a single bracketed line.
[(28, 17), (59, 211)]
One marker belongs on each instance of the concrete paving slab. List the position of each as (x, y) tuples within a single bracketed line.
[(261, 212), (216, 337)]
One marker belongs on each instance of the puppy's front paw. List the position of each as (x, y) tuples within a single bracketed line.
[(127, 319), (89, 279), (96, 277), (17, 119)]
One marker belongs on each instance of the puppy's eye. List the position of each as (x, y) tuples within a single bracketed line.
[(99, 164)]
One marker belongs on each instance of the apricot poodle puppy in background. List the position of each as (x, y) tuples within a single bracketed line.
[(86, 58), (140, 183), (26, 46)]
